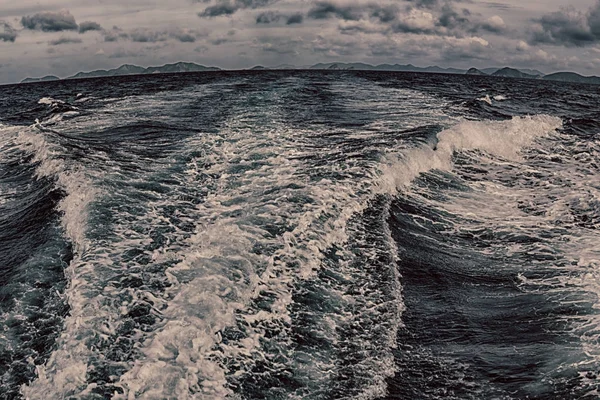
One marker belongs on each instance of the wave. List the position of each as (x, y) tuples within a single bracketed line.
[(79, 193), (241, 260), (503, 139), (501, 249), (34, 253)]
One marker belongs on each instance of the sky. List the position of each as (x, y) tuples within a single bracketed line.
[(63, 37)]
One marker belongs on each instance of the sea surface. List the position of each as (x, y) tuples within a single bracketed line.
[(300, 235)]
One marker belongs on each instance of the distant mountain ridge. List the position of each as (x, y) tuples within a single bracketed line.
[(506, 72), (490, 71), (572, 77), (386, 67), (475, 71), (43, 79), (128, 69)]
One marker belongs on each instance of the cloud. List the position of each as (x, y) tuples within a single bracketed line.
[(89, 26), (384, 13), (466, 49), (64, 40), (452, 19), (184, 37), (500, 6), (147, 36), (326, 10), (420, 17), (144, 35), (522, 46), (295, 19), (218, 10), (50, 21), (568, 27), (219, 41), (115, 34), (123, 53), (416, 21), (366, 27), (7, 32), (268, 17), (494, 24), (425, 3), (229, 7), (280, 45)]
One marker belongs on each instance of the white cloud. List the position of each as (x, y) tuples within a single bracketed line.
[(496, 22), (419, 20)]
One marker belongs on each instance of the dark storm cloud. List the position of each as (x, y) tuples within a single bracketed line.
[(184, 37), (150, 36), (50, 21), (89, 26), (64, 40), (7, 32), (326, 10), (219, 41), (218, 10), (569, 27), (229, 7), (384, 14), (420, 17), (353, 12), (450, 18), (295, 19), (268, 17)]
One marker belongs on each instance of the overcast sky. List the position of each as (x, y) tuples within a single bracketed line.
[(62, 37)]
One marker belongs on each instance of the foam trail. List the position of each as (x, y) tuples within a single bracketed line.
[(186, 356), (272, 212), (68, 374)]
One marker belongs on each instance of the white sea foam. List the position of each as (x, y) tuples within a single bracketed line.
[(50, 101), (69, 371), (486, 99), (503, 139)]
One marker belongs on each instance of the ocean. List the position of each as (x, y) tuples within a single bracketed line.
[(299, 235)]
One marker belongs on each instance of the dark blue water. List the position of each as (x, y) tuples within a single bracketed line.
[(299, 234)]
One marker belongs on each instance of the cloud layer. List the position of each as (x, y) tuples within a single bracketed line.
[(568, 27), (241, 33), (50, 21)]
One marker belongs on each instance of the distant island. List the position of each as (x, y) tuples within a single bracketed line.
[(128, 69), (505, 72), (44, 79)]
